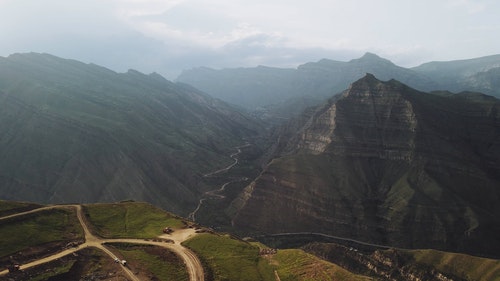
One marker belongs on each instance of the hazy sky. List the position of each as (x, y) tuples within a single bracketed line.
[(167, 36)]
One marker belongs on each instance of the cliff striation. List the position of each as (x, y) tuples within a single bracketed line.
[(387, 164)]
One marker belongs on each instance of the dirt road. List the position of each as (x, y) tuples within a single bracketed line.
[(215, 192), (233, 156), (333, 237), (193, 264)]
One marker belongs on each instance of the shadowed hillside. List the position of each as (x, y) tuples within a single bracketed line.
[(74, 132), (386, 164)]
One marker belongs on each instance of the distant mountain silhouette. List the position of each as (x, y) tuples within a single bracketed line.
[(262, 86), (479, 74), (272, 91)]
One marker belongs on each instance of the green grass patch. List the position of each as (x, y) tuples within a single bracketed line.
[(129, 220), (230, 259), (10, 207), (162, 263), (298, 265), (461, 265), (46, 226)]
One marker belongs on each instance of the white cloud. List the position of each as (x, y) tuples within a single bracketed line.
[(468, 6), (137, 8), (176, 34)]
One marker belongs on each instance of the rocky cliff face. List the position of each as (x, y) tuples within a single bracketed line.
[(389, 165), (380, 110), (415, 265)]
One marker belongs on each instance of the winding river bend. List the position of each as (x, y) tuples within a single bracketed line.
[(215, 194)]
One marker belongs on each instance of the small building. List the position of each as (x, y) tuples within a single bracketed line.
[(267, 251)]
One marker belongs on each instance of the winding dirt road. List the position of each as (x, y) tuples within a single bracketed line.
[(386, 247), (193, 264), (233, 156), (215, 192)]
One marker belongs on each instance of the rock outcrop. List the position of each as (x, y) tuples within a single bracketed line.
[(389, 165)]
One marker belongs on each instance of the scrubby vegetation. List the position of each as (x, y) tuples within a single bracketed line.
[(297, 265), (10, 207), (159, 263), (54, 225), (464, 266)]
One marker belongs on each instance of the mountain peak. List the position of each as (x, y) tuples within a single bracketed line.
[(369, 55), (369, 85), (368, 80), (370, 77), (371, 58)]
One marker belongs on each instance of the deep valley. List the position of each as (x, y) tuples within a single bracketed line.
[(358, 170)]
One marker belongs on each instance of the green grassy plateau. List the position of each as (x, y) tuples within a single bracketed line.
[(129, 220), (228, 258)]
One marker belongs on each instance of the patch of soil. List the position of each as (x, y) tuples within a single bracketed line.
[(88, 264), (162, 253), (37, 252)]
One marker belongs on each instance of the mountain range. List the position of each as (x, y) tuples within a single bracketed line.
[(389, 165), (286, 92), (384, 162), (75, 132)]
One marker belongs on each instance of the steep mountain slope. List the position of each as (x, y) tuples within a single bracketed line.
[(73, 132), (264, 86), (390, 165), (479, 74)]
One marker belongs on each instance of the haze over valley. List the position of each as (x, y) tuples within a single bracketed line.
[(379, 164), (182, 140)]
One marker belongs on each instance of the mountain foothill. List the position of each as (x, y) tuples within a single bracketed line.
[(364, 149)]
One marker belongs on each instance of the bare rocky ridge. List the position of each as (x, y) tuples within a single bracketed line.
[(378, 110), (390, 165)]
